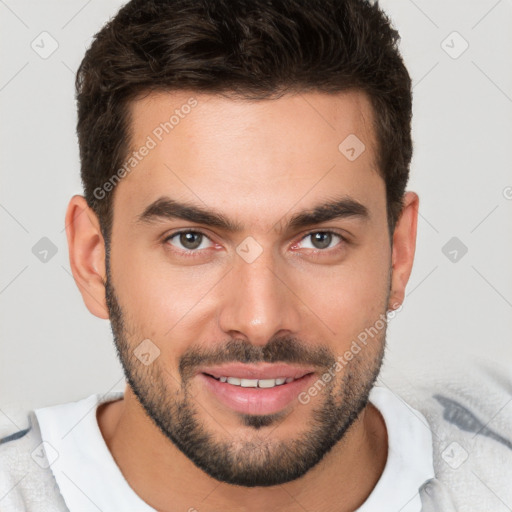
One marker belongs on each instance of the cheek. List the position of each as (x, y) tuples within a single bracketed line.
[(161, 300), (351, 296)]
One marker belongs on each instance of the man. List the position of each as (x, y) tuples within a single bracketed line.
[(246, 229)]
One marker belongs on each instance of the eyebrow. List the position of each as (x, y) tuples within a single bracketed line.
[(166, 208)]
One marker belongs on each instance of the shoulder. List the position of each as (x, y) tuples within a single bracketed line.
[(14, 448), (469, 412), (26, 479)]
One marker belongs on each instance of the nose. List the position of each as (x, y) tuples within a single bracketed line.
[(259, 301)]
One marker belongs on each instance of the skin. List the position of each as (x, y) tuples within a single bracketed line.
[(258, 163)]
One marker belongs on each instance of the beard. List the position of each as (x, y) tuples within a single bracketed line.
[(255, 460)]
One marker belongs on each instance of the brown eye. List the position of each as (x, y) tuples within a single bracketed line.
[(189, 240), (321, 240)]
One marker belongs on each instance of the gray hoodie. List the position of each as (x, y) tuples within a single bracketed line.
[(466, 416)]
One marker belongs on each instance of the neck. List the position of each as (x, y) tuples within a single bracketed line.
[(161, 475)]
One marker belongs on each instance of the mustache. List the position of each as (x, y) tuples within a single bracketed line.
[(284, 349)]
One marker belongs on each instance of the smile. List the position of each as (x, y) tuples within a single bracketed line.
[(255, 396), (254, 383)]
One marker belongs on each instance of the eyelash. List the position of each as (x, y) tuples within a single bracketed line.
[(195, 253), (184, 252)]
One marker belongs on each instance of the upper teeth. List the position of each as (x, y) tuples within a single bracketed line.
[(256, 383)]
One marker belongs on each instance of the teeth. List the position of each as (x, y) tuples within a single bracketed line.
[(249, 383), (266, 383), (256, 383)]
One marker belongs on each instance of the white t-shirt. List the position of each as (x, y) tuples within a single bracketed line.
[(90, 480)]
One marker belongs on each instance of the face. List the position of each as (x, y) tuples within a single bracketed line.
[(246, 243)]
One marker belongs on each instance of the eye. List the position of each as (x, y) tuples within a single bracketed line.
[(189, 240), (320, 240)]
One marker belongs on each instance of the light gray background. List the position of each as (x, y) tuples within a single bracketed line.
[(53, 350)]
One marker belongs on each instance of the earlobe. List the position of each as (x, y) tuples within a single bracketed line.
[(404, 247), (87, 255)]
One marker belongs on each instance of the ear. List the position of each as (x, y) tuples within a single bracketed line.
[(87, 255), (404, 246)]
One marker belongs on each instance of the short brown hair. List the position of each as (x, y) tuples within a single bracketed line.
[(253, 49)]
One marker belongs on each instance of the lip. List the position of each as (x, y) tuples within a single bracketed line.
[(259, 371), (256, 400)]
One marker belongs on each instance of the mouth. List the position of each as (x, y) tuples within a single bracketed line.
[(266, 389), (254, 383)]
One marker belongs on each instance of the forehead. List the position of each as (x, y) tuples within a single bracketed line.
[(250, 156)]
